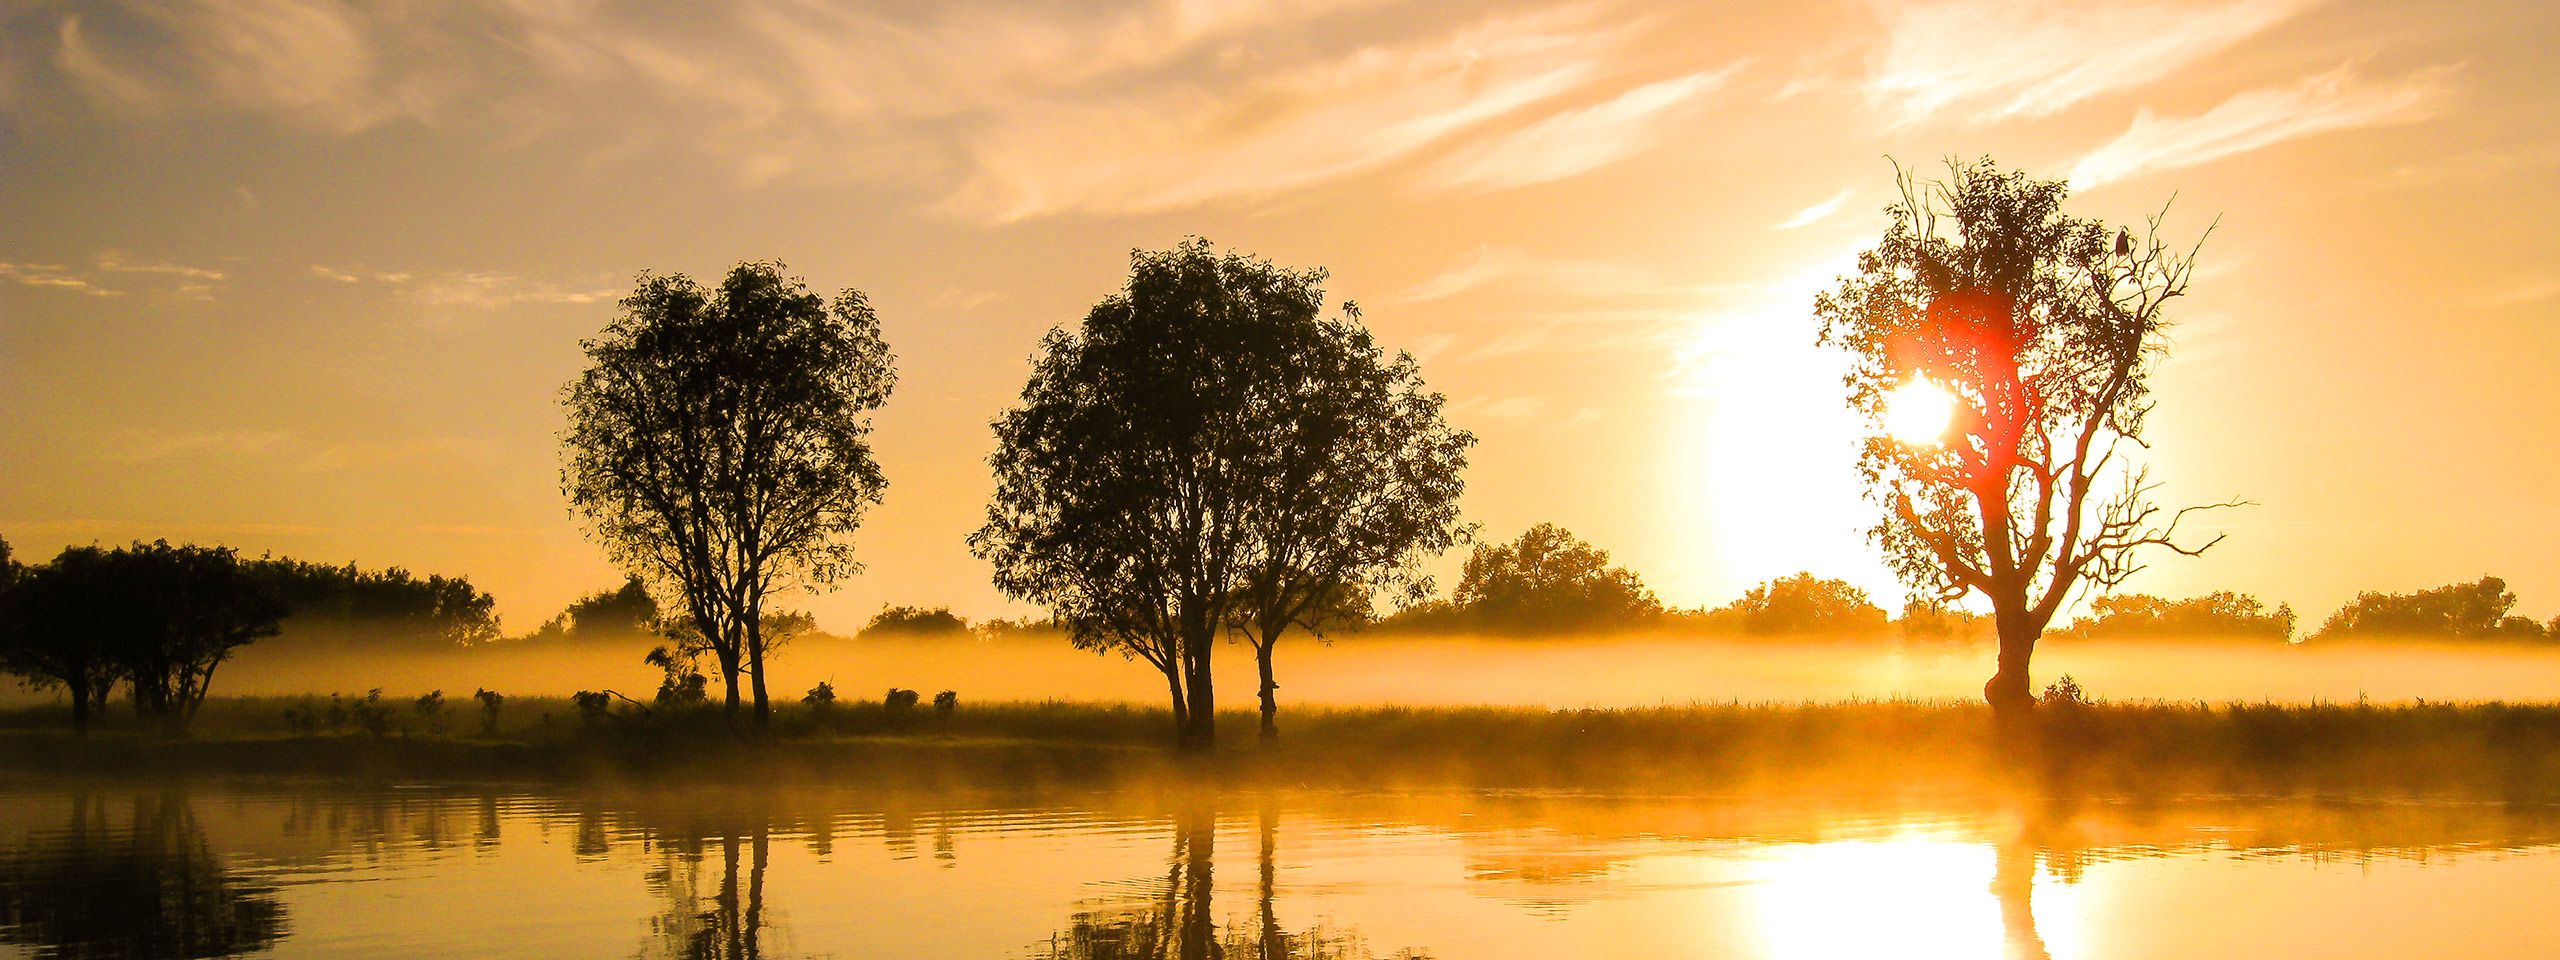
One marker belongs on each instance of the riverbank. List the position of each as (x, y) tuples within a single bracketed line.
[(2485, 751)]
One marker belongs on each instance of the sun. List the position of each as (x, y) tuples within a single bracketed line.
[(1918, 412)]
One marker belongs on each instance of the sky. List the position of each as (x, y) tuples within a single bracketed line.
[(307, 277)]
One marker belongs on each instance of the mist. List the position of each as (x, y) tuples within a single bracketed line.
[(1597, 672)]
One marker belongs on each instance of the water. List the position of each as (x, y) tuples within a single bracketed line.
[(312, 870)]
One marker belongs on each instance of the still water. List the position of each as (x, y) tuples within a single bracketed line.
[(305, 870)]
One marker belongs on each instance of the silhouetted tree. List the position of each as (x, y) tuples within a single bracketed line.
[(1799, 605), (621, 613), (895, 622), (2470, 611), (2221, 613), (392, 603), (1549, 581), (1363, 486), (718, 444), (49, 629), (2044, 336), (160, 617), (1133, 481), (491, 703)]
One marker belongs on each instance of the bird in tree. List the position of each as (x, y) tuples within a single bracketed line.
[(2038, 332), (719, 447)]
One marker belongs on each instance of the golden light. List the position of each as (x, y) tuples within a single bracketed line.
[(1918, 412), (1921, 897)]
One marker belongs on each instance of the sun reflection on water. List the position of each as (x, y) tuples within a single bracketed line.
[(1916, 896)]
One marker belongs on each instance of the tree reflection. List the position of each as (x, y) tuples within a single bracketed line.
[(147, 887), (722, 925), (1178, 922)]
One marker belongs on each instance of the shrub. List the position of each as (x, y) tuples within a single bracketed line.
[(900, 700)]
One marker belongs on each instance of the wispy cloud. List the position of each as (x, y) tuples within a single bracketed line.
[(1574, 141), (990, 111), (109, 274), (2335, 100), (476, 290), (286, 451), (1816, 213), (2004, 58)]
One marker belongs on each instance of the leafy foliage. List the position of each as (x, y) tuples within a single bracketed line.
[(1208, 451), (1546, 581), (619, 614), (2470, 611), (391, 603), (2221, 613), (1799, 605), (909, 622), (719, 446), (156, 616)]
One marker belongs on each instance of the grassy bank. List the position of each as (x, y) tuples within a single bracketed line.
[(2482, 751)]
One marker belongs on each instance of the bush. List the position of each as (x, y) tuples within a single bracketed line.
[(945, 702), (490, 703), (910, 622), (431, 710), (901, 700), (821, 696)]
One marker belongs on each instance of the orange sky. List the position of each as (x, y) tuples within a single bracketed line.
[(304, 276)]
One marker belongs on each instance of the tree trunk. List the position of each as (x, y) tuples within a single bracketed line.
[(79, 688), (755, 668), (1270, 702), (1181, 710), (1201, 733), (728, 657), (2009, 692)]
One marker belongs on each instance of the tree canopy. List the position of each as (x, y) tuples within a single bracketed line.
[(2468, 611), (621, 613), (390, 604), (2220, 614), (2042, 330), (157, 617), (1547, 581), (1209, 452), (719, 446), (1800, 605)]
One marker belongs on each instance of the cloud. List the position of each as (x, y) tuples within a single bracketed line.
[(1574, 141), (2318, 104), (476, 290), (1815, 214), (1190, 142), (989, 111), (1497, 266), (99, 278), (2006, 58)]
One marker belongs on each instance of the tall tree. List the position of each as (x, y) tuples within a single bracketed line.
[(1362, 486), (718, 445), (2041, 329), (1134, 481)]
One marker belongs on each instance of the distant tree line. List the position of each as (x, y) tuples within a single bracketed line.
[(390, 605)]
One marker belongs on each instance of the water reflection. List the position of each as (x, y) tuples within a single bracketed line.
[(1178, 919), (140, 883), (734, 874), (721, 925)]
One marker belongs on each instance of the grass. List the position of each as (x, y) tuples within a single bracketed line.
[(2497, 751)]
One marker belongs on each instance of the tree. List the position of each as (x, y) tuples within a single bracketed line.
[(2475, 610), (718, 445), (1801, 604), (1549, 581), (2221, 613), (2041, 330), (49, 635), (391, 604), (1136, 483), (1363, 486), (913, 623), (617, 614), (159, 617)]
